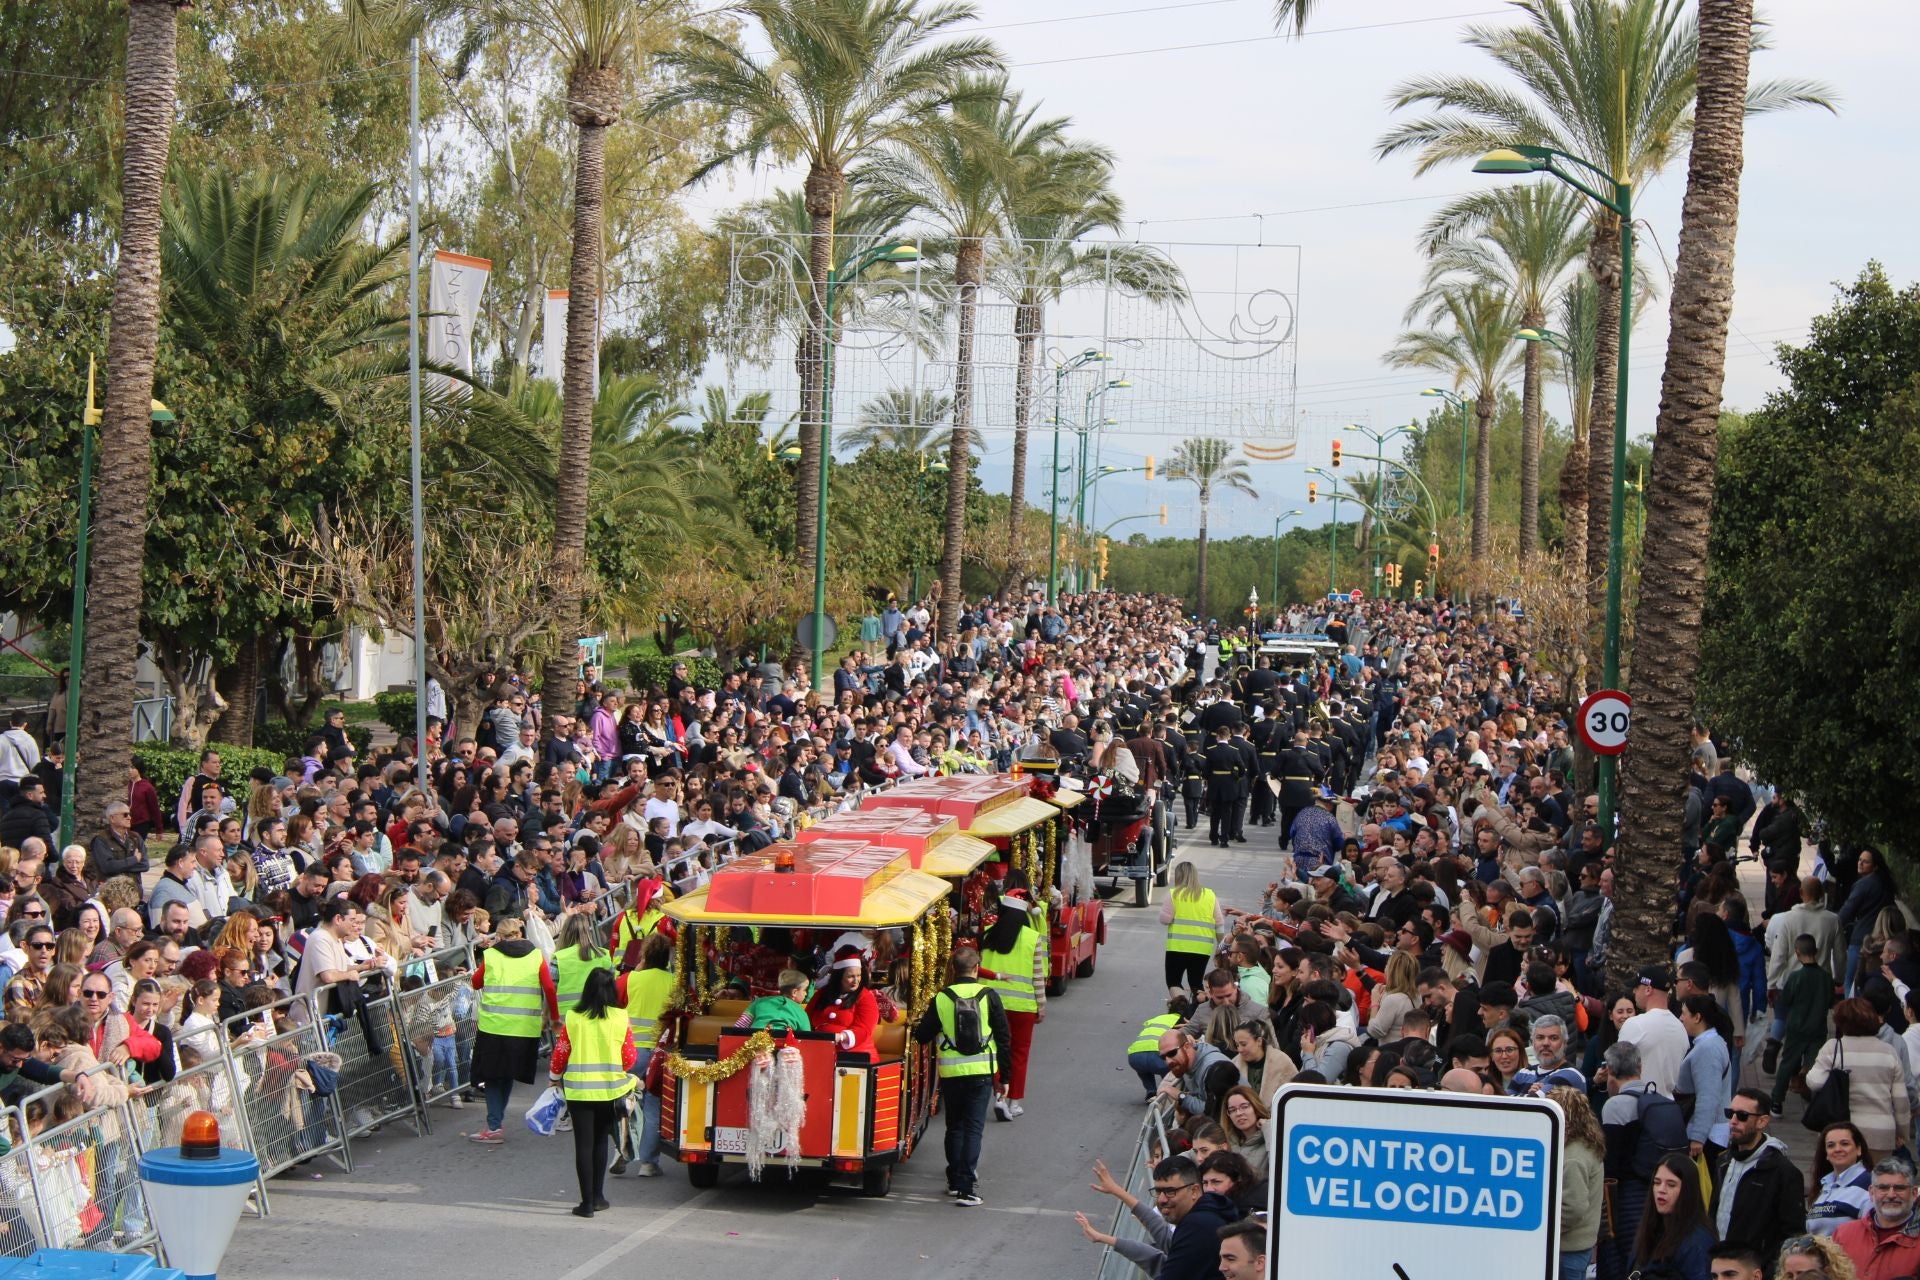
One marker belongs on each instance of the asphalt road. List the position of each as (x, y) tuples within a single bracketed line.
[(440, 1203)]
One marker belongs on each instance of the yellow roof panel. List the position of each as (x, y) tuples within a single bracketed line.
[(1066, 798), (957, 856), (1010, 819), (900, 901)]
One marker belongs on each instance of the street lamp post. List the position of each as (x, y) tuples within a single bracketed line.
[(1277, 522), (1531, 159), (1060, 372), (1462, 404), (1379, 439), (892, 251)]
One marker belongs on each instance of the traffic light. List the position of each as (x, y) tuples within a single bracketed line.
[(1103, 558), (1336, 455), (1150, 473), (1163, 513), (1433, 560), (1397, 571), (1313, 492), (1419, 588)]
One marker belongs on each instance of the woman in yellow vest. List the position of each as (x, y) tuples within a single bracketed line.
[(1195, 925), (1013, 961), (574, 956), (638, 921), (644, 993), (592, 1062), (516, 995)]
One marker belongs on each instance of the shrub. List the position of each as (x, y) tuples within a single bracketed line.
[(654, 669), (287, 741), (168, 768), (396, 711)]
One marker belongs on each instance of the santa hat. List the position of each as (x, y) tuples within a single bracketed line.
[(1016, 898), (848, 957)]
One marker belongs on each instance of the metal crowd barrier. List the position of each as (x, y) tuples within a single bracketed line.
[(1148, 1150), (377, 1078), (21, 1231), (220, 1085), (287, 1120), (82, 1174), (441, 1064)]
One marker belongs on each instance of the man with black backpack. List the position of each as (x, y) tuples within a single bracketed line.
[(968, 1025)]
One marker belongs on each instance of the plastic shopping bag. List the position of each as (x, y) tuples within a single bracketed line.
[(546, 1112)]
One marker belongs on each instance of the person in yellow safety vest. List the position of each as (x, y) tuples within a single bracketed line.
[(1195, 925), (1143, 1055), (1013, 961), (968, 1024), (645, 993), (574, 956), (592, 1063), (516, 996), (640, 919)]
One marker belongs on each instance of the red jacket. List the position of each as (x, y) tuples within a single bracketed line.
[(1881, 1253)]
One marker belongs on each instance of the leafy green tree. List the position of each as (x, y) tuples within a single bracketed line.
[(1814, 583), (908, 421)]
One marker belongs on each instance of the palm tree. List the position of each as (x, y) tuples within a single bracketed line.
[(1579, 309), (1475, 345), (1208, 462), (958, 176), (1052, 202), (907, 421), (126, 431), (1609, 81), (1520, 240), (1679, 502), (841, 78)]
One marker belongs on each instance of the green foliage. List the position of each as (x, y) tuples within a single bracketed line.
[(654, 670), (396, 710), (1813, 606), (168, 768), (284, 740)]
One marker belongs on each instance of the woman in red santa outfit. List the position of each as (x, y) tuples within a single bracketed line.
[(845, 1005)]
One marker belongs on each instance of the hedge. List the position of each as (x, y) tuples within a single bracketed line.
[(655, 669), (396, 711), (168, 768), (285, 741)]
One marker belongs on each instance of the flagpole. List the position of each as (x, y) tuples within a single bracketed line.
[(413, 378)]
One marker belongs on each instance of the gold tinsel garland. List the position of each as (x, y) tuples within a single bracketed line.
[(1050, 837), (720, 1069)]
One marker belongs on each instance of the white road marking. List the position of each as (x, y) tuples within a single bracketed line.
[(657, 1226)]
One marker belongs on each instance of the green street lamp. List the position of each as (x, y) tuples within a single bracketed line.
[(892, 251), (1616, 196), (1090, 356), (1461, 403), (1277, 522)]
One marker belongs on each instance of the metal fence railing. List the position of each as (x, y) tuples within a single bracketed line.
[(1148, 1150), (289, 1115), (82, 1168), (440, 1019), (20, 1229), (376, 1078)]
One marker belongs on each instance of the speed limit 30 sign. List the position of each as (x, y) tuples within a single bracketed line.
[(1603, 720)]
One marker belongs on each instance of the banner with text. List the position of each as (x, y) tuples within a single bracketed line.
[(453, 296)]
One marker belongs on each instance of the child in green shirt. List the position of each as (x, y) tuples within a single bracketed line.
[(784, 1012)]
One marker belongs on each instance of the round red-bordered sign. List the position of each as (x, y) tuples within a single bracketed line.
[(1603, 719)]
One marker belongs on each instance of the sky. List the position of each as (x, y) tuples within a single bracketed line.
[(1213, 119)]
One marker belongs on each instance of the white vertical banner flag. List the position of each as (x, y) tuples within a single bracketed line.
[(553, 342), (453, 295), (553, 339)]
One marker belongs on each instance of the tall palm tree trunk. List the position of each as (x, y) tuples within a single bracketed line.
[(824, 189), (126, 432), (1026, 328), (1604, 261), (969, 269), (1680, 497), (1200, 591), (1483, 476), (1530, 442), (593, 101), (1573, 504)]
